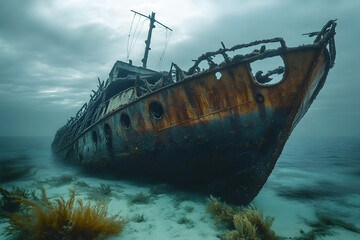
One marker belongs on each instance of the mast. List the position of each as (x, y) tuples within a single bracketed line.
[(148, 40)]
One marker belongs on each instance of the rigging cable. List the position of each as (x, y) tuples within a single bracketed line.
[(128, 49), (135, 37), (167, 39)]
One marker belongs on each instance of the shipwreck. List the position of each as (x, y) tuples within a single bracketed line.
[(219, 130)]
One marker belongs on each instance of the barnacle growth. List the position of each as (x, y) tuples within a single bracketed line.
[(62, 220), (242, 223)]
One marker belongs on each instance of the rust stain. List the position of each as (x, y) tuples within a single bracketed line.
[(236, 124), (209, 98)]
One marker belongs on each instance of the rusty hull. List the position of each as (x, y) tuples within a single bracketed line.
[(219, 130), (222, 136)]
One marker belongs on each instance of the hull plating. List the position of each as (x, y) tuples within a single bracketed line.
[(221, 135)]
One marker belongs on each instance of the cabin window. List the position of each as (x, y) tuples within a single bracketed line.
[(156, 110), (268, 71), (125, 120)]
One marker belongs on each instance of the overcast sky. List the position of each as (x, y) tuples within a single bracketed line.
[(51, 52)]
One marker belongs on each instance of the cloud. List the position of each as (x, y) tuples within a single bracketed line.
[(51, 52), (40, 53)]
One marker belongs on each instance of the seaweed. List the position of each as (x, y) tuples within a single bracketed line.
[(139, 198), (105, 189), (14, 168), (242, 223), (9, 200), (250, 224), (323, 226), (81, 183), (160, 189), (64, 220), (138, 218), (101, 193), (319, 190), (179, 198), (59, 181), (337, 223), (185, 221), (356, 173), (189, 209), (223, 213)]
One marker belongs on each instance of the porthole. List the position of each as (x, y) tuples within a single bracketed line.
[(125, 120), (268, 71), (156, 110)]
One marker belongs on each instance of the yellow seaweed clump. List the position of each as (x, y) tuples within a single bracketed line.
[(63, 220), (223, 213), (250, 224), (245, 223)]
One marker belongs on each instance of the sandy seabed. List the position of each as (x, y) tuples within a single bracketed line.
[(295, 193)]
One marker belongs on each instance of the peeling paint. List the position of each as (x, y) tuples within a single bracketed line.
[(217, 130)]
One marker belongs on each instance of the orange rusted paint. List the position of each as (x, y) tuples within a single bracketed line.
[(218, 130), (202, 99)]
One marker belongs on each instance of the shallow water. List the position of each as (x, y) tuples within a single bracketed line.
[(313, 176)]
